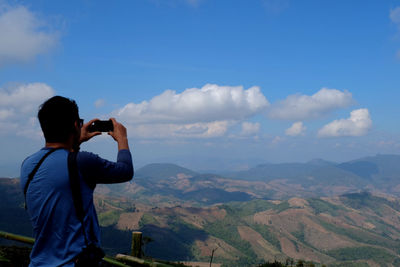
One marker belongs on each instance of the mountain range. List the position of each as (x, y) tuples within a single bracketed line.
[(338, 214), (318, 178)]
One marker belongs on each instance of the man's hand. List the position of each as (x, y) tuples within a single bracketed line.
[(119, 134), (85, 134)]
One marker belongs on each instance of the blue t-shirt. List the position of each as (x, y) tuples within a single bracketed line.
[(57, 229)]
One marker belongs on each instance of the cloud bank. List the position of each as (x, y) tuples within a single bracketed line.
[(302, 107), (23, 35), (357, 125), (207, 104), (196, 112)]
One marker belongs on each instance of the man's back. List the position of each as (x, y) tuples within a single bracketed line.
[(57, 230)]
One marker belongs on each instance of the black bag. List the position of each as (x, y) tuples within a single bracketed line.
[(91, 255)]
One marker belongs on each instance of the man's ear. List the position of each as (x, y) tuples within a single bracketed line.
[(77, 126)]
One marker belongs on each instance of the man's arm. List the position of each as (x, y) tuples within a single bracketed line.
[(119, 134), (97, 170)]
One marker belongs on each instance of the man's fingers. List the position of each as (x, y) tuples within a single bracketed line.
[(95, 133), (114, 121)]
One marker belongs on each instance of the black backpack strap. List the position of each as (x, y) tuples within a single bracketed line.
[(76, 190), (33, 172), (75, 185)]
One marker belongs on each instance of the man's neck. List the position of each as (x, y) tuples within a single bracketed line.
[(70, 144), (59, 145)]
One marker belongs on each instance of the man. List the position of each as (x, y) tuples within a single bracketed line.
[(60, 234)]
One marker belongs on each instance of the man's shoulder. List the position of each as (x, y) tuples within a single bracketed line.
[(88, 159), (31, 161), (86, 155), (33, 157)]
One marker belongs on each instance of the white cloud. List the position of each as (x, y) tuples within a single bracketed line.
[(357, 125), (249, 128), (24, 98), (23, 35), (99, 103), (193, 130), (296, 129), (207, 104), (195, 113), (19, 104), (301, 107)]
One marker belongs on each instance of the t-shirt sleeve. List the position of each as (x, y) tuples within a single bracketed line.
[(96, 170)]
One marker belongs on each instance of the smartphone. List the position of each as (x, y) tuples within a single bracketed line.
[(101, 126)]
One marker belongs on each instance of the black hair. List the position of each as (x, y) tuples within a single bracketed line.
[(57, 117)]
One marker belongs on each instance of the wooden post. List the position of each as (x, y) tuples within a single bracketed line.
[(136, 248)]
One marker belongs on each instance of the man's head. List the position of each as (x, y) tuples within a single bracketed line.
[(58, 117)]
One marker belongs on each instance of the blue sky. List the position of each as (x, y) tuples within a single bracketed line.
[(207, 84)]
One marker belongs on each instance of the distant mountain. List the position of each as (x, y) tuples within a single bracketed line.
[(308, 175), (361, 168), (163, 171), (379, 166), (321, 162), (163, 184), (378, 173), (201, 189), (269, 171)]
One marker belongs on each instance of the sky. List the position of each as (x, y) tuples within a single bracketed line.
[(206, 84)]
